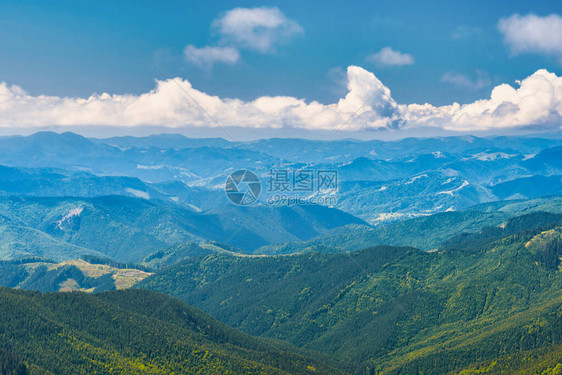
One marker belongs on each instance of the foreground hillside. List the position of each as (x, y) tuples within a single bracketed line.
[(487, 296), (132, 332)]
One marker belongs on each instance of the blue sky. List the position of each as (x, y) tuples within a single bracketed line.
[(78, 48), (70, 48)]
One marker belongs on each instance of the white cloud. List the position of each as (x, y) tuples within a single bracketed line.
[(462, 81), (389, 57), (533, 34), (207, 56), (260, 29), (167, 105), (537, 101)]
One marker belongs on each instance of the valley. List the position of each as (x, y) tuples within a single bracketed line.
[(427, 256)]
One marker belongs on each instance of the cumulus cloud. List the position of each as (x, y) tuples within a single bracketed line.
[(462, 81), (260, 29), (533, 34), (168, 105), (389, 57), (537, 101), (208, 56), (367, 105)]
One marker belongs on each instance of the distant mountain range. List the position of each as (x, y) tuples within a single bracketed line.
[(380, 181), (64, 195)]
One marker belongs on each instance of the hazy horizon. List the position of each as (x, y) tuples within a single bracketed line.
[(245, 135)]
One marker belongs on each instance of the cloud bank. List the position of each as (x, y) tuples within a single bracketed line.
[(536, 102), (368, 105)]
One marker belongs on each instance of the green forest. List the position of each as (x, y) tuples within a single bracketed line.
[(398, 310), (131, 332)]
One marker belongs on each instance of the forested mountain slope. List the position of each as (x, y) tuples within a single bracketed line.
[(133, 332), (62, 228), (427, 232), (400, 310)]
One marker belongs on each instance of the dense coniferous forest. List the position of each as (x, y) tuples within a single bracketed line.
[(128, 332), (481, 297), (11, 363)]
